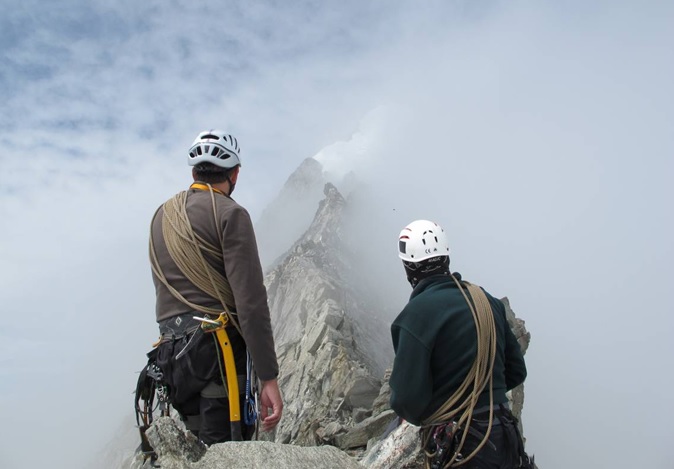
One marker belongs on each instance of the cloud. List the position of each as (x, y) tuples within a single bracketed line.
[(538, 136), (355, 154)]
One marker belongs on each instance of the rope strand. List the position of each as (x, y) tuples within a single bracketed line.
[(187, 249), (460, 405)]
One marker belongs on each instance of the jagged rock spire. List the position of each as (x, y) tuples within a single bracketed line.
[(319, 332), (291, 212)]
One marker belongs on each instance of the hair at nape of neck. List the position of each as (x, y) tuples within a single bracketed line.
[(210, 173)]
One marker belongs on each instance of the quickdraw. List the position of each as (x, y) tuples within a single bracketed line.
[(150, 384), (251, 404), (440, 448)]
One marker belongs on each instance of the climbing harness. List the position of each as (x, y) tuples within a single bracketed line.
[(150, 384), (442, 444), (456, 413), (524, 461)]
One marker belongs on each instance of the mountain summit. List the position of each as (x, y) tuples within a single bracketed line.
[(290, 213)]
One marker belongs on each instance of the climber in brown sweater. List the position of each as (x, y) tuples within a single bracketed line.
[(223, 273)]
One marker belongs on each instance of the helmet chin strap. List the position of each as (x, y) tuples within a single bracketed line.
[(232, 185)]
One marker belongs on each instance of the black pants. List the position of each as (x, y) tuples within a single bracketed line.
[(214, 423), (503, 450), (497, 453), (192, 379)]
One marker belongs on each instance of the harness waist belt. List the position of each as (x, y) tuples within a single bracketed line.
[(179, 326), (483, 415)]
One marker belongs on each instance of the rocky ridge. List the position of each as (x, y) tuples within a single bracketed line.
[(330, 357)]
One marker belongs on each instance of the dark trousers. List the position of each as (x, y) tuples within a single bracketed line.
[(212, 424), (504, 448), (497, 453), (194, 380)]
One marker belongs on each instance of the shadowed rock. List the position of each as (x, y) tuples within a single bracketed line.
[(523, 337), (178, 449)]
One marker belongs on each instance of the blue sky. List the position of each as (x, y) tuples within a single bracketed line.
[(537, 133)]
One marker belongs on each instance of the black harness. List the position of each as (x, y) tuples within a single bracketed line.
[(445, 438)]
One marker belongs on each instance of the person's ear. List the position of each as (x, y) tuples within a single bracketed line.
[(234, 175)]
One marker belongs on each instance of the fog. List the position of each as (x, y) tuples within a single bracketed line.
[(537, 134)]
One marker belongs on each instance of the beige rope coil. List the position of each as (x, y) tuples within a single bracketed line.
[(186, 248), (460, 406)]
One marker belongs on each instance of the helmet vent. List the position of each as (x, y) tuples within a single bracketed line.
[(199, 152), (215, 151), (210, 136)]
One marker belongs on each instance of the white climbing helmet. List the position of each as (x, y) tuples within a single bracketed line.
[(422, 239), (215, 146)]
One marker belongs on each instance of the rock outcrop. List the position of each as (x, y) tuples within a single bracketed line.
[(178, 449), (401, 449), (331, 358), (516, 396)]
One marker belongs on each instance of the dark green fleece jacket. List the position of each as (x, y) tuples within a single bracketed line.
[(435, 346)]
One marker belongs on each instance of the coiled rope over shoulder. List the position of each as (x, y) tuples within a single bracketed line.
[(460, 406), (187, 249)]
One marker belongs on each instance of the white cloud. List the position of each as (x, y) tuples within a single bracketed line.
[(356, 153)]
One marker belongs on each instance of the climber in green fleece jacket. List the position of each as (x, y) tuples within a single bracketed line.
[(435, 341)]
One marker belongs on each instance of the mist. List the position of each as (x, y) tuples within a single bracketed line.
[(537, 134)]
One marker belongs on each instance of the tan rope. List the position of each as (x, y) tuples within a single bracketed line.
[(460, 406), (186, 248)]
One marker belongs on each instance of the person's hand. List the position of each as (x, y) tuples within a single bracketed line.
[(272, 405)]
